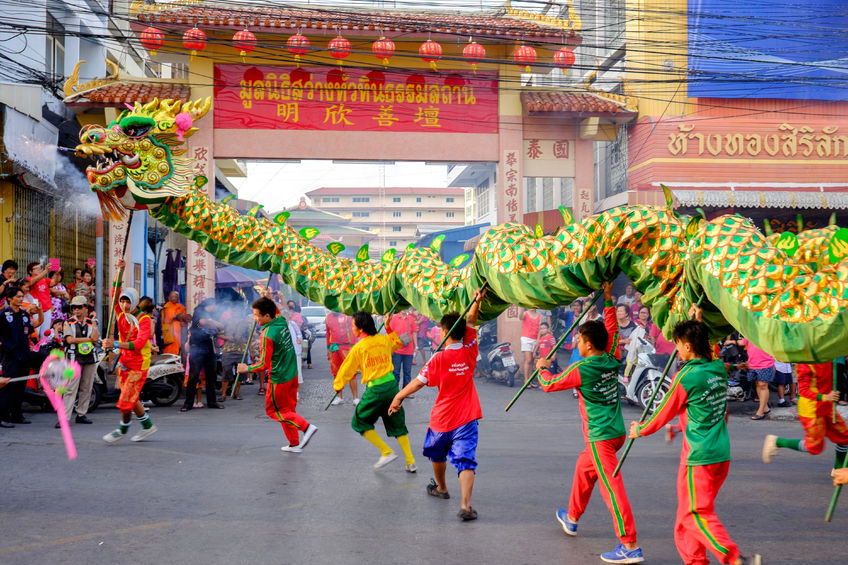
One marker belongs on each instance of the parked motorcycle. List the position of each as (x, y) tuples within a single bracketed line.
[(739, 388), (643, 371), (495, 360), (163, 386)]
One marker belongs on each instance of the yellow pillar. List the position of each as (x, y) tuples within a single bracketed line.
[(7, 220)]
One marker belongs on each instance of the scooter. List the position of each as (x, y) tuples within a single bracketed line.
[(495, 361), (739, 388), (163, 386), (643, 371)]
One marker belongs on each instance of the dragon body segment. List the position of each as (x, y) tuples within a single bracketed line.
[(792, 305)]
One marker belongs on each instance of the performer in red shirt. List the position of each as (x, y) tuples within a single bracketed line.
[(134, 345), (340, 338), (816, 411), (453, 421)]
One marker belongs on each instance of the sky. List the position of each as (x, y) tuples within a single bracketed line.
[(280, 185)]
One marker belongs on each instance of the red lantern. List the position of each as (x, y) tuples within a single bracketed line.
[(339, 48), (195, 40), (245, 42), (431, 52), (297, 45), (564, 58), (152, 39), (383, 49), (474, 53), (525, 56)]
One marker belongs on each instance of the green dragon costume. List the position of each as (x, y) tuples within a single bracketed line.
[(787, 294)]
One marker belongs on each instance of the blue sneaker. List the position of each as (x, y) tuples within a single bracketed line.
[(568, 526), (623, 555)]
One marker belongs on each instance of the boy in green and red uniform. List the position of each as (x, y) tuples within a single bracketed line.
[(816, 408), (698, 396), (595, 378), (277, 356), (134, 341)]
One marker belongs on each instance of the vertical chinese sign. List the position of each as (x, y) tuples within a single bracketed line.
[(512, 186), (117, 235), (200, 265), (512, 212), (584, 203)]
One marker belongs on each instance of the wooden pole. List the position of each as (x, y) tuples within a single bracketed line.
[(535, 374)]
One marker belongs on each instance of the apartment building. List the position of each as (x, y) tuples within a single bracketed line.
[(398, 215)]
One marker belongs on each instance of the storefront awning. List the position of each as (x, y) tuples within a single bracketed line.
[(782, 198)]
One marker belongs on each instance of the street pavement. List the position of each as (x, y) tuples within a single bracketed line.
[(213, 487)]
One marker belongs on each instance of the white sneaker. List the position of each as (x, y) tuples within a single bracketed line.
[(291, 448), (411, 468), (113, 436), (144, 433), (336, 401), (355, 401), (385, 460), (307, 435), (769, 448)]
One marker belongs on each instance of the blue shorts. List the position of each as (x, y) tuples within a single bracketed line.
[(761, 375), (458, 446), (782, 378)]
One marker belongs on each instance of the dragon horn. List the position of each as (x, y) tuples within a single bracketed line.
[(767, 227), (150, 106), (198, 108), (832, 220)]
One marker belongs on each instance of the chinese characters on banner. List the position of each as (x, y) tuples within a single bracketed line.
[(200, 265), (313, 98), (512, 183)]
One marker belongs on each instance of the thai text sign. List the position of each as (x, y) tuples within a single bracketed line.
[(778, 141), (313, 98)]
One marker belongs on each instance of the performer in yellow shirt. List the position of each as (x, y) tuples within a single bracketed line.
[(372, 356)]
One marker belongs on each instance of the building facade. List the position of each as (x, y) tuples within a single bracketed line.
[(740, 119), (397, 215)]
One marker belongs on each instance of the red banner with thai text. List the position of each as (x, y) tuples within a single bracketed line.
[(317, 98)]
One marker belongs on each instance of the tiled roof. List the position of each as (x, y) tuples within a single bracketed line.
[(266, 19), (129, 92), (572, 103)]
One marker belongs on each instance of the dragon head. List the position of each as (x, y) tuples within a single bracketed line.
[(140, 158)]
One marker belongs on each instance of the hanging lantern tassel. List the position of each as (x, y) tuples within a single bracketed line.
[(298, 45), (383, 49), (195, 40), (245, 42), (525, 55), (430, 52), (152, 39), (339, 48), (474, 52)]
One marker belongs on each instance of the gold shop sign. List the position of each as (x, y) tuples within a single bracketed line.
[(789, 141)]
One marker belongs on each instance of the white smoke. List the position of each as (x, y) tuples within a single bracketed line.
[(73, 184)]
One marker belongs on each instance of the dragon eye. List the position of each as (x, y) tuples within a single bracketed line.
[(136, 126), (136, 130)]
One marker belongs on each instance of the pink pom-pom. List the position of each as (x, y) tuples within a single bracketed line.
[(184, 123)]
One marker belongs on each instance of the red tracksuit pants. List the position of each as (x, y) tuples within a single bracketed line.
[(597, 462), (820, 427), (697, 528), (280, 405)]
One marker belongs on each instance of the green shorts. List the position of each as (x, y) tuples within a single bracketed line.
[(374, 405)]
